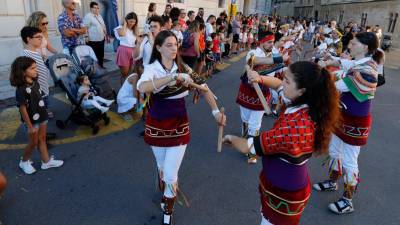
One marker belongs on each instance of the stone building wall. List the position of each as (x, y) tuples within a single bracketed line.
[(377, 13)]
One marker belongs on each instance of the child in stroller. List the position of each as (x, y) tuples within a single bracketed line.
[(89, 95)]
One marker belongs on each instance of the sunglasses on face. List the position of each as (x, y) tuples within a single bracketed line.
[(45, 23)]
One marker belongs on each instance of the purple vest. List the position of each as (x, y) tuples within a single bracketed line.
[(162, 108), (284, 175), (351, 106)]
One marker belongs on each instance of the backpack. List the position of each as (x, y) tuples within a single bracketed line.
[(186, 39)]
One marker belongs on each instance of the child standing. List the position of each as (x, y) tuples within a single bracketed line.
[(176, 29), (209, 58), (241, 39), (244, 39), (250, 39), (24, 74), (32, 37), (215, 48), (89, 95)]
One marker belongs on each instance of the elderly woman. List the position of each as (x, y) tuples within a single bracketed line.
[(39, 20)]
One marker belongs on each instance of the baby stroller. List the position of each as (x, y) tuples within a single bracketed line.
[(84, 56), (64, 72)]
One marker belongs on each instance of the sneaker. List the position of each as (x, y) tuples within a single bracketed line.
[(251, 159), (327, 185), (52, 163), (27, 167), (342, 206), (167, 219), (104, 109), (109, 102)]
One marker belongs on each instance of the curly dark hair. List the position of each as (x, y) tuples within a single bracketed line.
[(322, 98), (18, 68)]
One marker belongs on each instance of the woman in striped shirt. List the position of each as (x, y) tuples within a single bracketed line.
[(32, 37)]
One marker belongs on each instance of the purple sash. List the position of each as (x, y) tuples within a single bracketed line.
[(162, 108)]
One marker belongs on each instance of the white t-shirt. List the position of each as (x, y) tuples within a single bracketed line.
[(178, 35), (96, 27), (209, 30), (244, 37), (240, 37), (145, 51), (258, 52), (128, 40), (157, 71)]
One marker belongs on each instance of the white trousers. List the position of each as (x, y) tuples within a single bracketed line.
[(265, 221), (253, 118), (169, 160), (346, 155), (274, 96), (94, 102)]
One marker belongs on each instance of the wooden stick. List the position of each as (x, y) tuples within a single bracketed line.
[(197, 86), (220, 131), (260, 95)]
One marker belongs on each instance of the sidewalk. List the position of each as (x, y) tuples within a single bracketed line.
[(13, 134), (7, 91), (393, 59)]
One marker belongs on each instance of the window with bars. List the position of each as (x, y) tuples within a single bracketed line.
[(363, 19), (221, 3), (341, 16), (392, 22)]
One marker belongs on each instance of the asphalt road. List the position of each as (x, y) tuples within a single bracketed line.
[(111, 180)]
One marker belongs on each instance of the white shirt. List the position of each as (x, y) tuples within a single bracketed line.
[(244, 38), (157, 71), (43, 72), (311, 28), (96, 27), (327, 30), (298, 28), (145, 51), (258, 52), (347, 65), (209, 30), (240, 37), (178, 34), (128, 40)]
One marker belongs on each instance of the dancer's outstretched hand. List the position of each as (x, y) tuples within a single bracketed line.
[(236, 142), (220, 118)]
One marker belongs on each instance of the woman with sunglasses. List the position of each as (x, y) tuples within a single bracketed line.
[(39, 20)]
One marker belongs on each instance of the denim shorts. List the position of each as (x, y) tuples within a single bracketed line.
[(36, 125)]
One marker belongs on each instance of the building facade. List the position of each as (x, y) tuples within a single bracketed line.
[(384, 13), (13, 14), (283, 7)]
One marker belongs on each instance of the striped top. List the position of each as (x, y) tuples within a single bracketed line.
[(43, 72)]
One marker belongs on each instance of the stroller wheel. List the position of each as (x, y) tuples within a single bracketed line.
[(106, 120), (95, 129), (60, 124)]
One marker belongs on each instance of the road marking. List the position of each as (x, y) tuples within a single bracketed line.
[(10, 121), (222, 66), (85, 132), (234, 59)]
